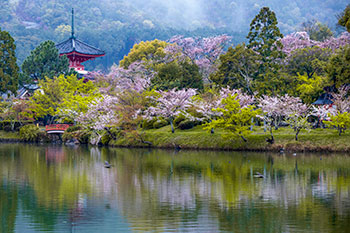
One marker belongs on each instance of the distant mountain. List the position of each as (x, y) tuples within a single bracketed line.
[(115, 25)]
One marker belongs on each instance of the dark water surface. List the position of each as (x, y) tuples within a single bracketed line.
[(67, 189)]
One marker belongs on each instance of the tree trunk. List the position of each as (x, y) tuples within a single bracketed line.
[(297, 133), (251, 126), (272, 139), (172, 126), (13, 123), (212, 131), (245, 140)]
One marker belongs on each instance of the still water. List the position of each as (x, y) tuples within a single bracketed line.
[(67, 189)]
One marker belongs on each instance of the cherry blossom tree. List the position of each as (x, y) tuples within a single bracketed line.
[(243, 98), (301, 40), (341, 99), (203, 52), (297, 115), (322, 112), (135, 77), (275, 108), (170, 104), (340, 116), (100, 115)]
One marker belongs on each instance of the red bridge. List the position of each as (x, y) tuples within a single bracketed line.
[(57, 128)]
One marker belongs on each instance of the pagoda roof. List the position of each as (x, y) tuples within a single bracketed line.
[(74, 45), (324, 99)]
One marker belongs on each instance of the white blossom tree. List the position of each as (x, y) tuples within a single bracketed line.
[(99, 116), (170, 104)]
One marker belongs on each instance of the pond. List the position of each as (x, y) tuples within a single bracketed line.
[(68, 189)]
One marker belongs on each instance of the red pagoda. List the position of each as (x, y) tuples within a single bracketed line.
[(78, 51)]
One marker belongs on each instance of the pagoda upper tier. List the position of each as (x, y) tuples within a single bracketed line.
[(78, 51)]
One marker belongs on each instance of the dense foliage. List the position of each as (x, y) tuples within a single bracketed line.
[(115, 26), (189, 81), (44, 61), (8, 63)]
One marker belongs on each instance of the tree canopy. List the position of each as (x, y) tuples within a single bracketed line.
[(317, 30), (344, 18), (338, 68), (264, 38), (45, 61), (238, 68), (8, 63)]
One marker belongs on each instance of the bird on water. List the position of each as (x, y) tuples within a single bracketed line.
[(107, 165)]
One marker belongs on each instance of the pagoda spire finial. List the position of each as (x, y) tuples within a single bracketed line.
[(72, 23)]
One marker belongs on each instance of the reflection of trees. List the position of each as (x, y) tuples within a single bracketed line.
[(8, 206), (161, 191), (160, 188)]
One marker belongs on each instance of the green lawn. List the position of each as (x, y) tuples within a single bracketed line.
[(9, 135), (197, 138)]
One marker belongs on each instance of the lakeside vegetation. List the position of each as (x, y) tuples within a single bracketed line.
[(317, 140), (207, 97)]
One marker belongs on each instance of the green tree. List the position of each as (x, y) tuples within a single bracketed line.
[(344, 18), (237, 68), (338, 68), (177, 75), (234, 119), (44, 61), (264, 38), (309, 89), (340, 121), (62, 98), (8, 63), (308, 61), (144, 51), (317, 30)]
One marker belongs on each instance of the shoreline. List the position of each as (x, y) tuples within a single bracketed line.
[(319, 140)]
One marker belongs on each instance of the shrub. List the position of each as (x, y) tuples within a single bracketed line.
[(148, 124), (178, 119), (187, 124), (7, 128), (30, 133), (82, 136), (105, 139), (67, 136), (160, 123), (73, 128)]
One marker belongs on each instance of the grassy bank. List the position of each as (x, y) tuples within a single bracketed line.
[(9, 136), (322, 140), (197, 138)]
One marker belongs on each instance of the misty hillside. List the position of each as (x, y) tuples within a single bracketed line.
[(115, 25)]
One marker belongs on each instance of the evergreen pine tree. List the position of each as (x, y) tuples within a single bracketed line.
[(8, 63)]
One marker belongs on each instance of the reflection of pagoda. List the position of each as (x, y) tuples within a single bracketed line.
[(78, 51)]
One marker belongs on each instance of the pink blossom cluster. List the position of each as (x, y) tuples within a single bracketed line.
[(100, 114), (136, 78), (206, 106), (243, 98), (341, 100), (204, 52), (280, 106), (171, 103), (323, 111), (300, 40)]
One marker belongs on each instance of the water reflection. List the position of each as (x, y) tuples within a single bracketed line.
[(48, 188)]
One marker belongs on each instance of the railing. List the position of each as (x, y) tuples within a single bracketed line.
[(57, 127)]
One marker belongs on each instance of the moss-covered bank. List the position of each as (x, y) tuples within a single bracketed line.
[(316, 140), (323, 140)]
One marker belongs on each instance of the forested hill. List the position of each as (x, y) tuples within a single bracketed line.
[(115, 25)]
